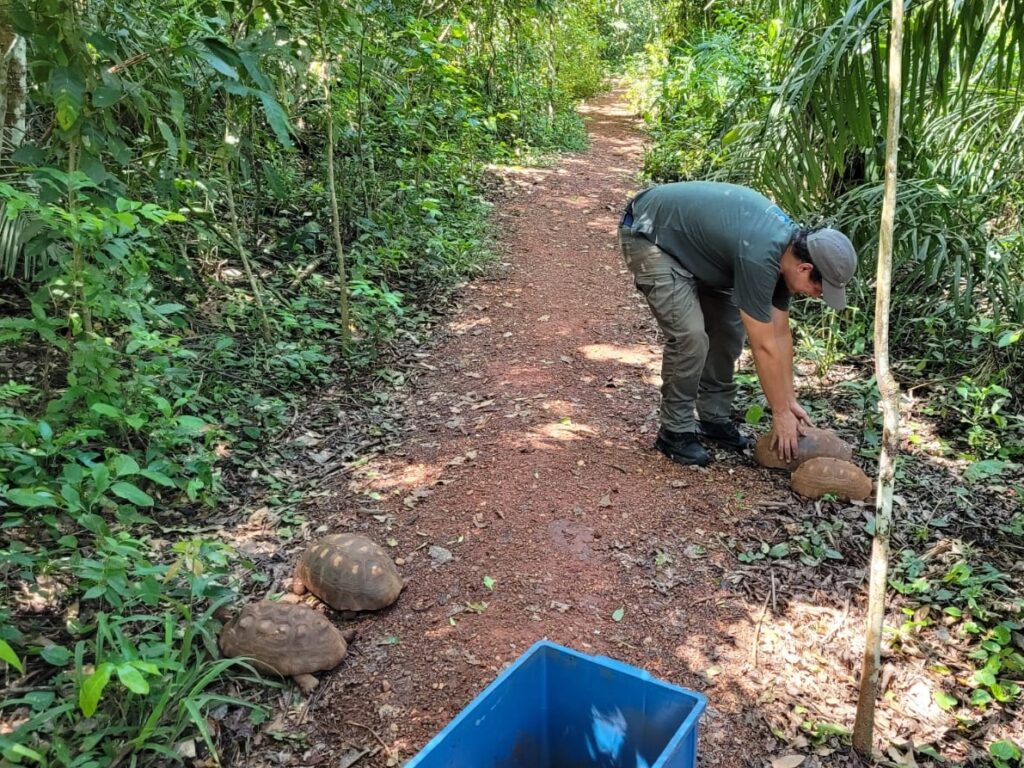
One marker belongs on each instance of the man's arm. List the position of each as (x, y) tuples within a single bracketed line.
[(774, 361), (784, 337)]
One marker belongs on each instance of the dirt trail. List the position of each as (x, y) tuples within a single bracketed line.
[(527, 457)]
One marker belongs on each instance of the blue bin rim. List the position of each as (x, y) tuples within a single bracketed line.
[(699, 705)]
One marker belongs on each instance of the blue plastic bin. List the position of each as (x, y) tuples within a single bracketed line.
[(557, 708)]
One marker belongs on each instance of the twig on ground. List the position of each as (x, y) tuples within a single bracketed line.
[(387, 749), (306, 272), (757, 628)]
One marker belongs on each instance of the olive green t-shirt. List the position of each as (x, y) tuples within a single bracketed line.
[(729, 237)]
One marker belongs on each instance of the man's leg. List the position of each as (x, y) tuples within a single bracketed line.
[(672, 296), (717, 381)]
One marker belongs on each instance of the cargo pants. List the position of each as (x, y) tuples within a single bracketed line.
[(703, 335)]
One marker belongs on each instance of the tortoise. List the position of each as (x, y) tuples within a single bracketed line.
[(817, 442), (816, 477), (285, 639), (349, 573)]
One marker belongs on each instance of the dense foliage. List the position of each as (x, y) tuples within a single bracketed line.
[(208, 208), (792, 98)]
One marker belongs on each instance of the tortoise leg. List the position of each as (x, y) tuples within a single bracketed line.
[(290, 598), (306, 682), (298, 587)]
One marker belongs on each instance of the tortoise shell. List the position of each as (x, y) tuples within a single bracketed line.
[(283, 639), (349, 573), (816, 477), (816, 443)]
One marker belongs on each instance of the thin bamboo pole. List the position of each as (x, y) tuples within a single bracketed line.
[(864, 725), (236, 232), (339, 248)]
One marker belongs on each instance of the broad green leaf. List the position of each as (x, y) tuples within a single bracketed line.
[(945, 701), (67, 92), (145, 666), (980, 697), (92, 688), (618, 613), (45, 431), (1004, 750), (220, 57), (132, 679), (730, 136), (125, 465), (105, 96), (1008, 338), (131, 493), (26, 498), (252, 66), (57, 655), (7, 654), (1001, 634), (104, 409), (169, 138), (101, 477), (980, 470), (754, 415), (191, 425), (157, 477), (277, 119), (999, 693), (779, 550), (984, 677)]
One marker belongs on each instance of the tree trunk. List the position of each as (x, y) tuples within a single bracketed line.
[(863, 730), (339, 249), (13, 88)]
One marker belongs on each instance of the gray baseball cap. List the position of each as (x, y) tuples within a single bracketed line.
[(832, 253)]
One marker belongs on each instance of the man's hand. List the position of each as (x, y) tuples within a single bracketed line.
[(801, 416), (785, 435)]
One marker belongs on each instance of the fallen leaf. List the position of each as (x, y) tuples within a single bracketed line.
[(787, 761), (351, 757)]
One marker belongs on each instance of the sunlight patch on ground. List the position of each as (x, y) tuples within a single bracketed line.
[(561, 431), (521, 173), (579, 202), (636, 355), (464, 326), (411, 476)]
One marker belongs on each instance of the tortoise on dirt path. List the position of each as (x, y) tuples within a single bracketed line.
[(349, 573), (288, 640), (816, 477), (814, 444)]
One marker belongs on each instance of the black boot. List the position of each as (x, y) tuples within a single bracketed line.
[(682, 448), (724, 434)]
